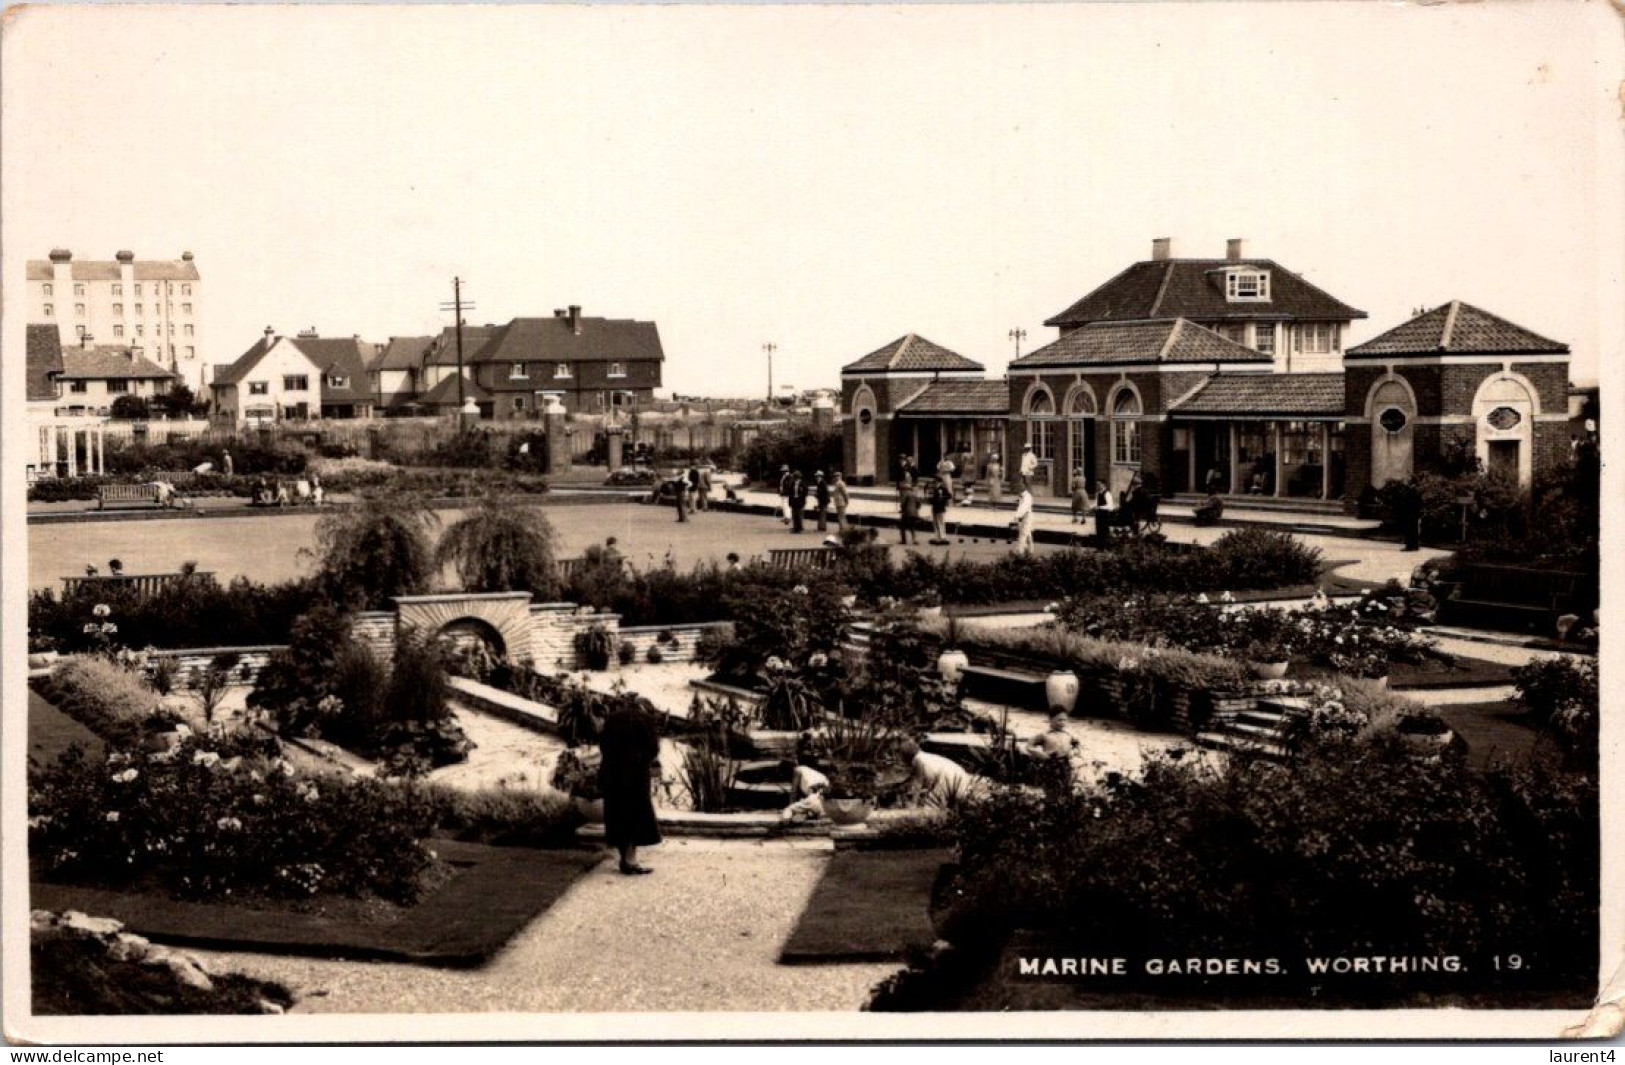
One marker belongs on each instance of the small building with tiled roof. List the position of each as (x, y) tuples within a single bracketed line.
[(397, 372), (591, 365), (917, 398), (1225, 376), (95, 376)]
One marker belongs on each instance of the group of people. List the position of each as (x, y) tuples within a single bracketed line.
[(826, 491), (1137, 506), (278, 492), (691, 491)]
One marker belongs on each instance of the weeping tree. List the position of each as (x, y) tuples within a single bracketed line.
[(501, 546), (377, 549)]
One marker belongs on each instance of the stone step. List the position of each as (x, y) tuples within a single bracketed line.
[(1010, 687), (1271, 503), (1225, 742)]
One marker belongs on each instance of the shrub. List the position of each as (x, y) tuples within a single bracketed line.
[(801, 447), (596, 646), (109, 699), (208, 819), (501, 547), (503, 817), (1362, 846), (1561, 695), (654, 655), (1264, 558), (375, 550), (195, 612)]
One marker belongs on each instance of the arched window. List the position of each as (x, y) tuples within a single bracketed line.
[(1126, 413), (1041, 424)]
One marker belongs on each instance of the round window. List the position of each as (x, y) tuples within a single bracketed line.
[(1503, 418), (1393, 419), (866, 416)]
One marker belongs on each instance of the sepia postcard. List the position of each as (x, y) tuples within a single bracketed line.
[(1068, 521)]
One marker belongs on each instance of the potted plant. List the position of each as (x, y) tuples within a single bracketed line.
[(952, 662), (850, 798), (596, 646), (1269, 656), (1061, 690)]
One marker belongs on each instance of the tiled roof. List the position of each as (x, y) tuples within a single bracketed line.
[(911, 352), (340, 355), (105, 270), (1455, 327), (44, 358), (403, 353), (1108, 343), (107, 362), (1194, 288), (444, 394), (442, 350), (980, 398), (553, 340), (1267, 395), (231, 373)]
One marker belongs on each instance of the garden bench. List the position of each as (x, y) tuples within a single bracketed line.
[(801, 557), (142, 583), (1534, 596), (127, 495)]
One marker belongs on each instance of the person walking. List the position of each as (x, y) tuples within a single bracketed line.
[(631, 756), (995, 480), (693, 488), (1080, 496), (785, 480), (1410, 514), (940, 498), (908, 509), (1023, 522), (821, 497), (702, 498), (945, 474), (798, 501), (225, 462), (1029, 465), (838, 496), (1104, 509)]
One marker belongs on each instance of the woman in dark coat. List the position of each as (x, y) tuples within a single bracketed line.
[(630, 748)]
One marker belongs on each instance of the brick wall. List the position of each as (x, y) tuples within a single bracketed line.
[(553, 634), (375, 629), (680, 642), (189, 661)]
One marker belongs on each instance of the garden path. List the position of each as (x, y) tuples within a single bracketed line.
[(703, 933)]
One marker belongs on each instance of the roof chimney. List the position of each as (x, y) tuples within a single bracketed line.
[(1161, 249), (559, 312), (575, 318), (270, 336), (125, 256), (186, 256), (61, 255), (1235, 249)]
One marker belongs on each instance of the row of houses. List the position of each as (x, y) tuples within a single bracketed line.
[(1227, 375), (592, 365)]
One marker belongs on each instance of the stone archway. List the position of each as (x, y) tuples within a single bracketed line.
[(1391, 406), (468, 632), (501, 619), (1504, 411), (863, 416)]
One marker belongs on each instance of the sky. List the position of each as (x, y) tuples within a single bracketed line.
[(822, 178)]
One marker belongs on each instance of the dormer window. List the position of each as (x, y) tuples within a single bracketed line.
[(518, 372), (338, 380), (1247, 285), (561, 371)]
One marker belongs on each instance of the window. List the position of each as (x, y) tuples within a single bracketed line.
[(139, 350), (1041, 426), (171, 328), (191, 352), (118, 310), (1266, 338), (140, 330), (259, 388), (76, 386), (47, 289), (1247, 285), (338, 380), (561, 371), (78, 310), (1234, 332), (518, 372), (1126, 428), (186, 308), (78, 290), (187, 328), (50, 311), (117, 385), (617, 369), (138, 290), (138, 310), (118, 290), (519, 403), (1317, 338), (118, 330), (292, 382), (80, 330), (186, 290)]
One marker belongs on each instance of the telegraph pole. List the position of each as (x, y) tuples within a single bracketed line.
[(457, 306), (1018, 335), (770, 348)]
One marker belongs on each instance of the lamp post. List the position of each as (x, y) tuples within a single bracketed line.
[(1018, 335), (770, 348)]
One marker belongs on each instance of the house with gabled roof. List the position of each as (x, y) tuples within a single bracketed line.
[(94, 376), (591, 365), (299, 377)]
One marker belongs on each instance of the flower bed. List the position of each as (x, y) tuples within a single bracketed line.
[(225, 817), (111, 699), (195, 612)]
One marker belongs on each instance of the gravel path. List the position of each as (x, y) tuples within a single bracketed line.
[(702, 933)]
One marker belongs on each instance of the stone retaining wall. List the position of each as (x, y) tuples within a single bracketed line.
[(677, 643), (189, 661), (554, 627)]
